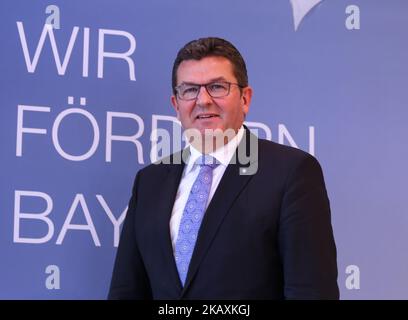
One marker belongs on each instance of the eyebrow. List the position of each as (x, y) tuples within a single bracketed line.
[(210, 81)]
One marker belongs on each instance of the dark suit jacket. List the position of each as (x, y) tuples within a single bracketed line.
[(263, 236)]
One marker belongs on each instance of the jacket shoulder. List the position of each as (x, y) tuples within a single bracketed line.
[(164, 164), (270, 148), (282, 156)]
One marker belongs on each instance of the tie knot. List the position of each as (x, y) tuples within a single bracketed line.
[(208, 161)]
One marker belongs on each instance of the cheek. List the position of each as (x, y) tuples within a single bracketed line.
[(185, 113), (233, 113)]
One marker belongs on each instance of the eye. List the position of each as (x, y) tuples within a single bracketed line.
[(189, 90), (217, 86)]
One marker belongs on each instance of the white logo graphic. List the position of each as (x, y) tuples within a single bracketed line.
[(301, 8)]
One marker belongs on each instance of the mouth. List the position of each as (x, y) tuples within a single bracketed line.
[(207, 116)]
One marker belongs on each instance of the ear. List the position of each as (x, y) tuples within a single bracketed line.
[(175, 105), (246, 99)]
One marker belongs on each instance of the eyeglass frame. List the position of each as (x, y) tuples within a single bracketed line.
[(205, 86)]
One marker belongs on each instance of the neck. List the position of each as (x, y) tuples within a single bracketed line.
[(210, 140)]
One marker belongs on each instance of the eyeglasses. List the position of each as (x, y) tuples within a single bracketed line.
[(217, 89)]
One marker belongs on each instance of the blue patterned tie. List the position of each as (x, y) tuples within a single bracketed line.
[(192, 215)]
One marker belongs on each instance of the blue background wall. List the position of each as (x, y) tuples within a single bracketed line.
[(349, 87)]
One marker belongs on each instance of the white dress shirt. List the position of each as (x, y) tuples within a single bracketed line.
[(223, 155)]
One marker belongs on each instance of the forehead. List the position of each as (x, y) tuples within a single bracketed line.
[(205, 70)]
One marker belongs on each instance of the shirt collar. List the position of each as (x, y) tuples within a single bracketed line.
[(223, 154)]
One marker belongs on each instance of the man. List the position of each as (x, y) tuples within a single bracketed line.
[(202, 228)]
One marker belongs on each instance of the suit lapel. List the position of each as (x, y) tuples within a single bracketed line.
[(231, 184), (164, 208)]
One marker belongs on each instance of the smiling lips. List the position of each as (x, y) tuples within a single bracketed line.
[(207, 116)]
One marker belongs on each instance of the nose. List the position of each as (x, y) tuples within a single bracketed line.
[(203, 98)]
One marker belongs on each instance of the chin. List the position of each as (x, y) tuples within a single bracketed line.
[(212, 128)]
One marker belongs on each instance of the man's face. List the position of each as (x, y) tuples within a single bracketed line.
[(225, 112)]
